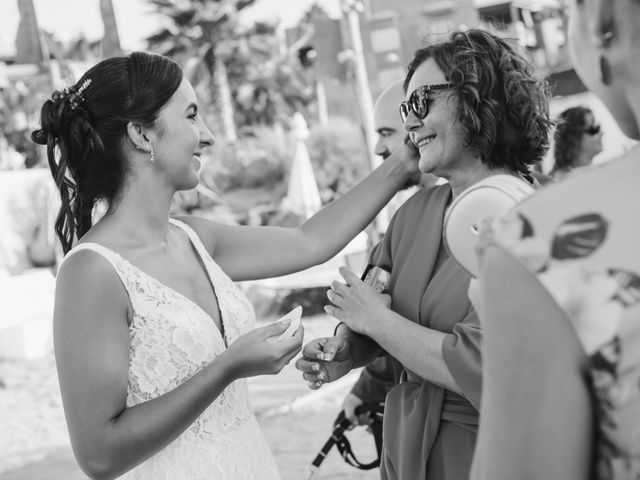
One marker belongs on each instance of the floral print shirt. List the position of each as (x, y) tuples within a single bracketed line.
[(587, 254)]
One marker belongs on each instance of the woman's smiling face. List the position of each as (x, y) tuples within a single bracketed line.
[(181, 136), (439, 136)]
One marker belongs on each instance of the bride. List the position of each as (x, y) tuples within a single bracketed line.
[(153, 340)]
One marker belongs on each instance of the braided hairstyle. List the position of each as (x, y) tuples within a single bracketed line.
[(502, 106), (84, 128)]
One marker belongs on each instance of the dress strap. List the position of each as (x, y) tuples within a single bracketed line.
[(109, 255), (193, 236), (120, 265)]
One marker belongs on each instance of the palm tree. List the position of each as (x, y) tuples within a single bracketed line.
[(269, 84), (254, 78), (200, 34)]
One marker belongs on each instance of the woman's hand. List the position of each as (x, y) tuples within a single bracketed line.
[(409, 155), (349, 405), (356, 304), (325, 360), (260, 352)]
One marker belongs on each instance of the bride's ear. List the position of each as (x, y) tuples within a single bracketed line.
[(137, 136)]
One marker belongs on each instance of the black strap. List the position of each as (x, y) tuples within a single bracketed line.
[(338, 438)]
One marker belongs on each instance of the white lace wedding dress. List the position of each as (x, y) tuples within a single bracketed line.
[(172, 338)]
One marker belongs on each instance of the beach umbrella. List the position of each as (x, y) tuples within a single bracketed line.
[(303, 196)]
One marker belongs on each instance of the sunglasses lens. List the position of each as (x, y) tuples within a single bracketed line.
[(418, 101), (404, 111)]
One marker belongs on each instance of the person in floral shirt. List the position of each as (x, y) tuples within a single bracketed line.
[(558, 294)]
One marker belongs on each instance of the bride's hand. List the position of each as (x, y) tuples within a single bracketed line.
[(407, 154), (260, 352), (325, 360)]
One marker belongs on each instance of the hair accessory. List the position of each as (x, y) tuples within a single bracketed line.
[(73, 94)]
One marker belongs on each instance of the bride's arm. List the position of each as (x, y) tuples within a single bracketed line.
[(246, 253), (91, 337)]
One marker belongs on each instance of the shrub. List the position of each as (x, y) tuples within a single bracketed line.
[(258, 159), (338, 154)]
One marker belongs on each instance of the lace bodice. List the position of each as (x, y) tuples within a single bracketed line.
[(171, 339)]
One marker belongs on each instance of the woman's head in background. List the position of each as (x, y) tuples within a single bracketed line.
[(578, 138)]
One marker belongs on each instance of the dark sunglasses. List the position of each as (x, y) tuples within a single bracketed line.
[(418, 102), (592, 130)]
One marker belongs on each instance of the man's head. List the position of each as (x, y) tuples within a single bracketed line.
[(390, 129), (387, 120)]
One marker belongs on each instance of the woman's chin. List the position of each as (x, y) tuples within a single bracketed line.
[(191, 182), (424, 165)]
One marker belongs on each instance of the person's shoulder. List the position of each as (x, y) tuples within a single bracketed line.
[(89, 290), (414, 208), (423, 196), (542, 179), (84, 265), (193, 221), (203, 227)]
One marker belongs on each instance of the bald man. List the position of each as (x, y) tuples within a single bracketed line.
[(382, 374)]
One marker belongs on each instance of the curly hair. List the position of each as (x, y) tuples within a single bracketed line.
[(83, 128), (502, 107), (570, 128)]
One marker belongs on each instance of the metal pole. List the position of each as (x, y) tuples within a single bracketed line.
[(111, 39), (323, 115), (350, 10)]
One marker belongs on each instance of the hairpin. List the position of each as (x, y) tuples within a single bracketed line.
[(73, 94)]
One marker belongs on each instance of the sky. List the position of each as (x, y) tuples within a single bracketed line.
[(136, 20)]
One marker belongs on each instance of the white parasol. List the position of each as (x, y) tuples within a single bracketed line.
[(303, 197)]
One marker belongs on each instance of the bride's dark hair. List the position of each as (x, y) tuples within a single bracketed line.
[(85, 125)]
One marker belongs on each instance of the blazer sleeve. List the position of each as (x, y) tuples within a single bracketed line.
[(462, 354), (382, 253)]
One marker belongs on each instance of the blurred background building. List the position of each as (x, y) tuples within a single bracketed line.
[(391, 30)]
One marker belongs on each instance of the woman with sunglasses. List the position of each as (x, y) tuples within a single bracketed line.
[(578, 138), (458, 114)]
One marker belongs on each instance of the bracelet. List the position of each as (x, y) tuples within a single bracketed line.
[(335, 330)]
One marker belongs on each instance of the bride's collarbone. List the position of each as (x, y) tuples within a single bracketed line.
[(188, 276), (182, 271)]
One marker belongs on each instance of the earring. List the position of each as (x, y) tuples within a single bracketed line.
[(148, 148)]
